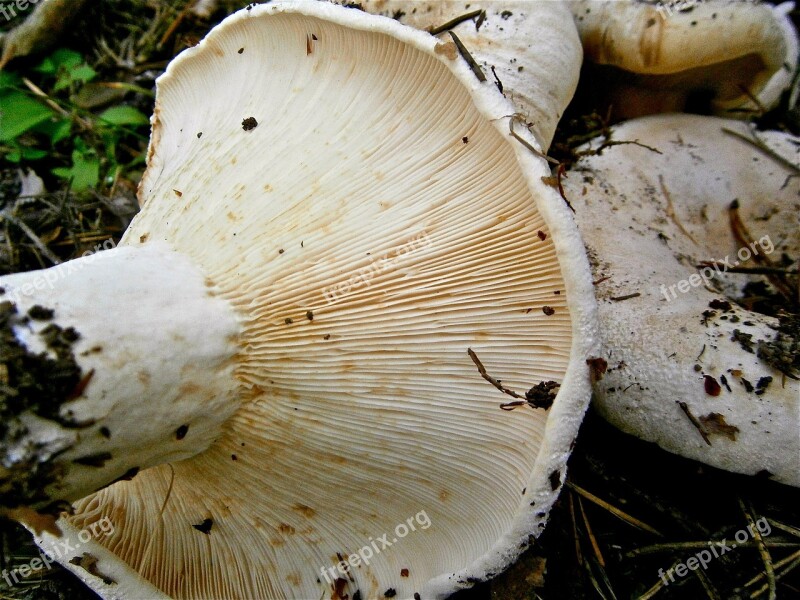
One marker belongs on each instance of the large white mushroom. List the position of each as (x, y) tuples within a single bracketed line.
[(735, 57), (678, 219), (291, 361)]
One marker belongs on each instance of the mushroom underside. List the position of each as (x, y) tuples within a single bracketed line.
[(366, 245)]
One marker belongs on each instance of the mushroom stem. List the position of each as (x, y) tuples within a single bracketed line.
[(111, 363)]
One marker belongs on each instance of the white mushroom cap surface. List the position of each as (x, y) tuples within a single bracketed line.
[(353, 193), (730, 50), (650, 221), (533, 47)]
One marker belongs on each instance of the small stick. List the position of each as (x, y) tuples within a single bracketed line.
[(793, 560), (695, 422), (709, 588), (40, 245), (783, 527), (743, 237), (456, 21), (613, 509), (494, 382), (607, 144), (517, 137), (561, 171), (578, 553), (146, 554), (671, 547), (37, 91), (738, 228), (476, 68), (762, 550), (169, 489), (512, 405), (671, 210), (749, 270), (174, 25), (80, 387), (497, 81), (47, 100), (658, 584), (626, 297), (757, 143), (590, 566), (595, 546)]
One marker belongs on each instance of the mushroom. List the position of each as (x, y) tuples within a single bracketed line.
[(519, 45), (292, 365), (732, 57), (693, 233)]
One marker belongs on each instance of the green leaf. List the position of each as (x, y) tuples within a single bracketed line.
[(19, 153), (66, 58), (124, 115), (85, 169), (68, 66), (83, 73), (47, 66), (62, 83), (61, 58), (32, 153), (9, 80), (79, 74), (19, 113), (110, 138), (55, 130)]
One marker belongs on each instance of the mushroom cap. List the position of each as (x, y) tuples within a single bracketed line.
[(355, 195), (730, 50), (532, 46), (649, 221)]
